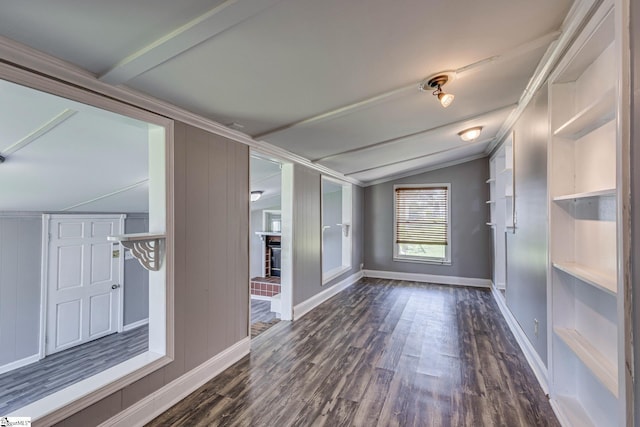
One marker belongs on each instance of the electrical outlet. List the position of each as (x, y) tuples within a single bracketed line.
[(535, 327)]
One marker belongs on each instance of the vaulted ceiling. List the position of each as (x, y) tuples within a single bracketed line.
[(334, 81)]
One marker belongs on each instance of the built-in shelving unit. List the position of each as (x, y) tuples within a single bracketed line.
[(145, 247), (585, 287)]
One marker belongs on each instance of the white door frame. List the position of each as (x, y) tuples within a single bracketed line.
[(44, 275)]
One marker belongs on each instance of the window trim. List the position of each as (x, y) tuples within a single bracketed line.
[(422, 260), (347, 242)]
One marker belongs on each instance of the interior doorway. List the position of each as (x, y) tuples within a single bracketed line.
[(270, 237)]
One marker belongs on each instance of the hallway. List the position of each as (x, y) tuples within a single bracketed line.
[(382, 352)]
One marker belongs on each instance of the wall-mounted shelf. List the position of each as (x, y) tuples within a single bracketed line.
[(609, 192), (592, 117), (489, 202), (593, 359), (490, 180), (145, 247), (589, 276), (491, 224)]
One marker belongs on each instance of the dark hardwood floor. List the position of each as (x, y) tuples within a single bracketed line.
[(262, 318), (25, 385), (381, 353)]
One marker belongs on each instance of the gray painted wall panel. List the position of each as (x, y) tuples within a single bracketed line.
[(307, 267), (136, 278), (211, 200), (470, 237), (526, 293), (20, 253)]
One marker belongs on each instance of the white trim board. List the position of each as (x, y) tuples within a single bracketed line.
[(537, 365), (135, 325), (164, 398), (19, 363), (429, 278), (308, 305)]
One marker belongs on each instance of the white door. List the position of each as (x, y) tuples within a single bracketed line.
[(85, 274)]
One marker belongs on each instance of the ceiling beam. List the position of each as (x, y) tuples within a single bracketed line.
[(194, 32), (412, 135), (113, 193), (434, 153), (377, 99), (40, 131)]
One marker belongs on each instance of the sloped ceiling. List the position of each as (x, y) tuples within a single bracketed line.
[(63, 156), (333, 81)]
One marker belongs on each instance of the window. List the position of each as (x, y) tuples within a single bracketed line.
[(421, 223), (336, 228)]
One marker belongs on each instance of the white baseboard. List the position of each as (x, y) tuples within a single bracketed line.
[(539, 368), (308, 305), (134, 325), (164, 398), (19, 363), (429, 278)]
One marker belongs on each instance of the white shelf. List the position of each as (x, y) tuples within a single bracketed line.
[(590, 118), (491, 224), (135, 237), (589, 276), (489, 202), (490, 180), (574, 412), (609, 192), (593, 359)]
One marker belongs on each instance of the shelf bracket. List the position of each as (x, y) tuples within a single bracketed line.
[(146, 248)]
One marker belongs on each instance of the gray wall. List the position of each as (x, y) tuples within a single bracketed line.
[(526, 293), (307, 252), (136, 278), (470, 237), (211, 263), (20, 253)]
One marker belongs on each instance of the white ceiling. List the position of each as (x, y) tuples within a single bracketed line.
[(333, 81), (65, 156)]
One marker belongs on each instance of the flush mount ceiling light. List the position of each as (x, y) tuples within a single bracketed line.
[(436, 83), (255, 195), (470, 134)]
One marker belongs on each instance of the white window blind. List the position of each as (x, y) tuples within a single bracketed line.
[(422, 215)]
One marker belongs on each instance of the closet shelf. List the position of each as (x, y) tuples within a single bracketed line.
[(590, 118), (589, 276), (609, 192), (593, 359)]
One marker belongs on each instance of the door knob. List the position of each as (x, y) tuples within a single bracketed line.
[(115, 286)]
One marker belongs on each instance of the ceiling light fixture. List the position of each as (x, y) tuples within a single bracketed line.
[(2, 158), (436, 83), (470, 134), (255, 195)]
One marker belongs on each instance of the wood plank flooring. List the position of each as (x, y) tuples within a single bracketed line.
[(262, 318), (25, 385), (380, 353)]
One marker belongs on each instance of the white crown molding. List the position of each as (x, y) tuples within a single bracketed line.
[(573, 23), (19, 63)]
